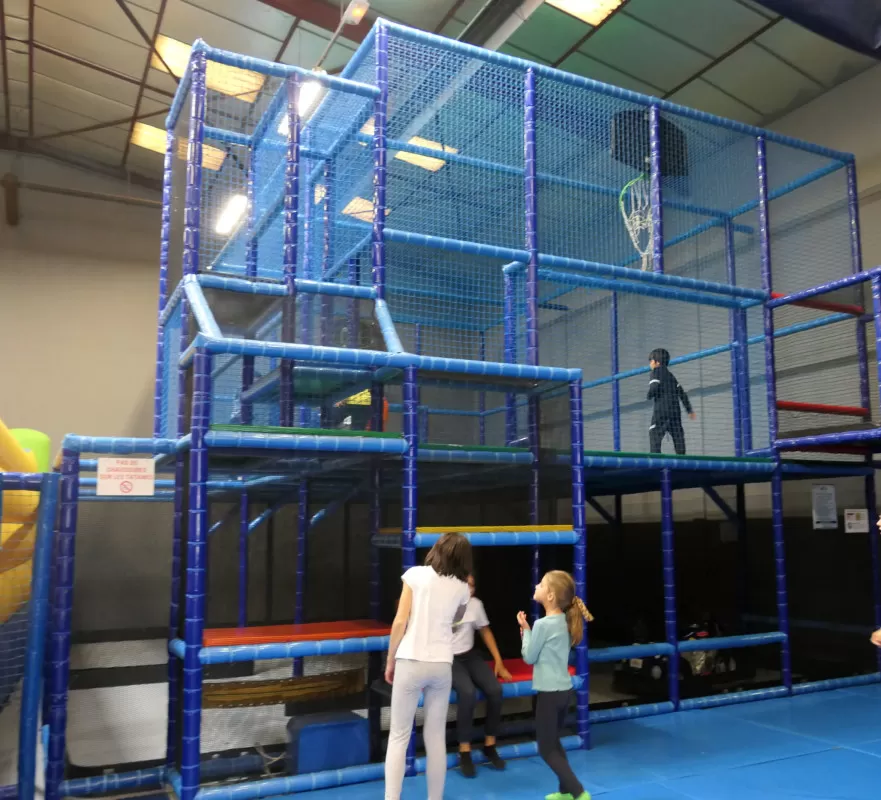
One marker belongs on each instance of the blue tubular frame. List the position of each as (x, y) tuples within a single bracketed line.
[(510, 355), (164, 244), (530, 205), (615, 366), (656, 177), (671, 630), (289, 253), (380, 161), (303, 524), (738, 341)]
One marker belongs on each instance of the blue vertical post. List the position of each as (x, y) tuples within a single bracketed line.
[(197, 525), (856, 256), (164, 243), (579, 525), (251, 254), (656, 176), (737, 340), (767, 285), (780, 574), (38, 619), (510, 346), (380, 160), (289, 254), (62, 615), (410, 497), (305, 326), (300, 578), (423, 412), (668, 554), (244, 520), (616, 386), (327, 249), (531, 228), (481, 398)]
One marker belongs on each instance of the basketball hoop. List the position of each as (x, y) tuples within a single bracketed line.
[(635, 203)]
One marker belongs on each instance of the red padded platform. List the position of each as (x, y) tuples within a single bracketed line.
[(308, 632), (520, 671)]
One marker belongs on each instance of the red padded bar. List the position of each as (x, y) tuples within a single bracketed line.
[(821, 408), (825, 305), (307, 632), (520, 671)]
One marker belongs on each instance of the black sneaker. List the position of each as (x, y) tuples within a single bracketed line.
[(493, 757), (466, 765)]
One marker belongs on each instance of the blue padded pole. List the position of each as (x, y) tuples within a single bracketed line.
[(244, 516), (303, 519), (410, 498), (193, 200), (767, 284), (38, 617), (510, 334), (380, 157), (616, 386), (780, 575), (876, 313), (579, 525), (669, 561), (424, 416), (164, 240), (289, 252), (327, 250), (856, 256), (62, 614), (481, 397), (531, 229), (251, 254), (746, 423), (197, 525), (737, 340), (656, 189)]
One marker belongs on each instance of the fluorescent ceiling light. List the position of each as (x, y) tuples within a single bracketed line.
[(232, 81), (311, 93), (232, 214), (151, 138), (593, 12), (426, 162), (361, 209)]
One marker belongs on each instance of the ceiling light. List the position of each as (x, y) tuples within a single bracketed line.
[(232, 81), (593, 12), (355, 12), (361, 209), (232, 214), (311, 93), (152, 138), (426, 162)]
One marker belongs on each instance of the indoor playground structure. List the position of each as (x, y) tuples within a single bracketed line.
[(444, 270)]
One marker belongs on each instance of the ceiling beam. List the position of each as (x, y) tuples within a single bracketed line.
[(287, 39), (4, 65), (324, 15), (100, 125), (19, 144), (146, 72), (148, 40)]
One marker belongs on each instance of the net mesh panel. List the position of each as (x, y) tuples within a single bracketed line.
[(17, 537), (171, 350)]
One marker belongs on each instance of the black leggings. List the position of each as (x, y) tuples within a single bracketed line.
[(470, 673), (550, 716), (659, 430)]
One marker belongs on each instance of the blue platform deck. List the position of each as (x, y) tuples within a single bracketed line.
[(825, 745)]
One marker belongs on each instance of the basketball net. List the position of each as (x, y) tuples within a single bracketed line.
[(635, 203)]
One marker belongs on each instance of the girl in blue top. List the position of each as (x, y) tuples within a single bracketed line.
[(546, 648)]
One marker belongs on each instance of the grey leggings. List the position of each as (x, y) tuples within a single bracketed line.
[(412, 679)]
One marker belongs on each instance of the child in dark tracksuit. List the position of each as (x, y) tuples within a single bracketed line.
[(666, 394)]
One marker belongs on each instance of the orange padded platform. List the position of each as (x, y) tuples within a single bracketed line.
[(520, 671), (308, 632)]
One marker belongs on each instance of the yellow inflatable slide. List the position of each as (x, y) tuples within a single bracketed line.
[(21, 450)]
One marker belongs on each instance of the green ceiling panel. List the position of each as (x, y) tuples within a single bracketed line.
[(580, 64), (518, 53), (713, 26), (548, 33), (701, 95), (647, 55)]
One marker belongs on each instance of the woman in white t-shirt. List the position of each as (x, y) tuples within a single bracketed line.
[(470, 673), (420, 659)]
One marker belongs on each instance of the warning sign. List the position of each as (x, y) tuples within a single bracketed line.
[(121, 477)]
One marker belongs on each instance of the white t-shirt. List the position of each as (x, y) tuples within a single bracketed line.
[(463, 632), (436, 600)]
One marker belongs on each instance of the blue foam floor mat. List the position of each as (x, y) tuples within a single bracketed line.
[(816, 747)]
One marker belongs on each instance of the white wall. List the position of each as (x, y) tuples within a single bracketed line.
[(78, 283)]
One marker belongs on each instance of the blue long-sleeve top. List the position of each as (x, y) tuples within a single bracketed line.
[(546, 648)]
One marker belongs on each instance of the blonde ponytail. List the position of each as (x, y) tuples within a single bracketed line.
[(563, 586)]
